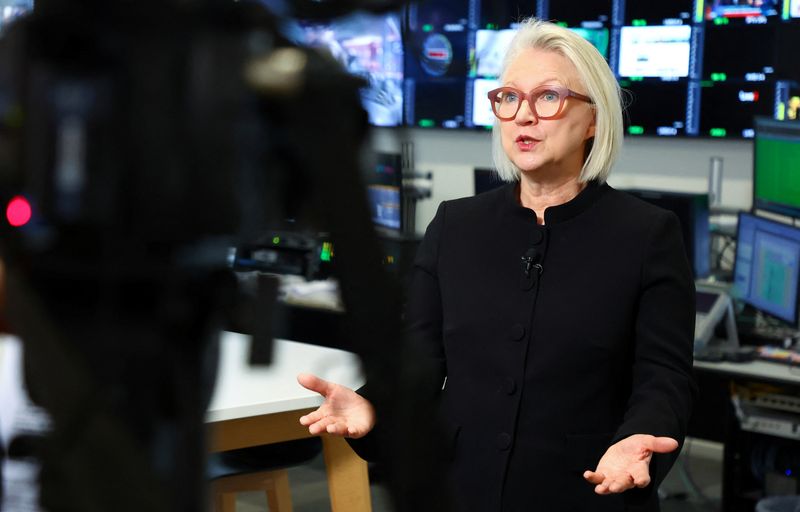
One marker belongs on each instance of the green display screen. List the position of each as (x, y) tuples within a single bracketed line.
[(776, 170)]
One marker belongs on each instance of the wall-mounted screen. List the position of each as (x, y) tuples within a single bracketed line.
[(656, 108), (599, 37), (482, 114), (499, 14), (750, 11), (437, 63), (371, 47), (490, 48), (586, 13), (672, 12), (654, 51), (728, 109), (739, 53)]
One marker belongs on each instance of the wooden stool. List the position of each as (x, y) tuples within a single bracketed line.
[(274, 483)]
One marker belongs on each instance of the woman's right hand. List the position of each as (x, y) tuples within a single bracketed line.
[(344, 412)]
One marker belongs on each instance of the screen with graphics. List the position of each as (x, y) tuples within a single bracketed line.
[(436, 64), (384, 191), (371, 47), (776, 166), (767, 266), (654, 51)]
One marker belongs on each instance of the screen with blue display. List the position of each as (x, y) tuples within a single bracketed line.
[(384, 190), (767, 266)]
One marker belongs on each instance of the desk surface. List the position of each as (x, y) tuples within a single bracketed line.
[(763, 370), (243, 391)]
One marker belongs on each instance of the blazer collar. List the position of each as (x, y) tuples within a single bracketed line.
[(555, 214)]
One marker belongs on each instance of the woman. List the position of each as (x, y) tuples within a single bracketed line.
[(559, 310)]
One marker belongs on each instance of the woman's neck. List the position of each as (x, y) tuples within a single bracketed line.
[(540, 195)]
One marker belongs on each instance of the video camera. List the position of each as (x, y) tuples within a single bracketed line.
[(139, 142)]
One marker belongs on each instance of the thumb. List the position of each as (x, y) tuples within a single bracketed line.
[(314, 383), (663, 444)]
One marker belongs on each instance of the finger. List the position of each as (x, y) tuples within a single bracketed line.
[(312, 417), (601, 488), (593, 477), (663, 444), (338, 428), (321, 426), (314, 383), (620, 484), (641, 474)]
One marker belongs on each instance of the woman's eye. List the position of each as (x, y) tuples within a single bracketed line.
[(549, 96), (510, 97)]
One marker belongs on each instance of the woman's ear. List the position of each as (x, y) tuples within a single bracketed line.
[(591, 128)]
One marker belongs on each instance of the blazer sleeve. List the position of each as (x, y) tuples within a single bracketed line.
[(424, 310), (663, 387), (422, 357)]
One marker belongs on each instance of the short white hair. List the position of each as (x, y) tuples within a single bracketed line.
[(601, 87)]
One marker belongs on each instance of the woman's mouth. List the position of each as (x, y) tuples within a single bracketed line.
[(525, 143)]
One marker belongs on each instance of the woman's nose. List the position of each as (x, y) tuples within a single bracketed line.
[(526, 114)]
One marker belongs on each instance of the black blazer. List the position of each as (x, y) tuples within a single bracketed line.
[(556, 341)]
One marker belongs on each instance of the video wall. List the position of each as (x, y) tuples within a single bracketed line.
[(697, 68)]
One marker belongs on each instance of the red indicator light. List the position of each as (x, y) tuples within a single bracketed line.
[(18, 211)]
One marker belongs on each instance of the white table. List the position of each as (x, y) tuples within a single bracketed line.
[(253, 406)]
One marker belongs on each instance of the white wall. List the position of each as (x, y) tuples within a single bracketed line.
[(659, 163)]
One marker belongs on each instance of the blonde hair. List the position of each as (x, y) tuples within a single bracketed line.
[(601, 86)]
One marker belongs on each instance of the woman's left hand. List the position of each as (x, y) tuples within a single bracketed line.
[(626, 464)]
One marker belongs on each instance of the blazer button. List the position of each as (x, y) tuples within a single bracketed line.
[(517, 332), (509, 386), (503, 441), (537, 237)]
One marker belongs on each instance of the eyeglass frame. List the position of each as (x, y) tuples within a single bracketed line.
[(563, 94)]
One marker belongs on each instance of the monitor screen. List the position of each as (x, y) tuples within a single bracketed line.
[(482, 114), (776, 166), (748, 12), (437, 64), (490, 48), (767, 267), (674, 12), (654, 51), (486, 180), (501, 14), (384, 191), (655, 108), (745, 53), (599, 38), (586, 13), (728, 109), (369, 46)]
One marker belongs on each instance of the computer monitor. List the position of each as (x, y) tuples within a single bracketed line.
[(385, 191), (767, 266), (776, 166), (692, 211), (486, 180)]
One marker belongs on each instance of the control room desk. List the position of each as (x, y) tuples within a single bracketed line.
[(254, 406), (719, 421)]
